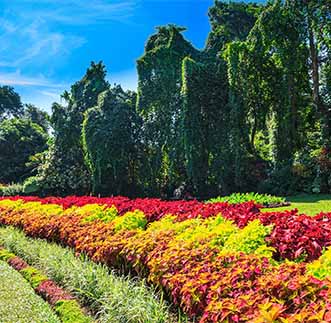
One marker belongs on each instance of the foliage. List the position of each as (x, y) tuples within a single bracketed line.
[(10, 103), (159, 103), (37, 116), (205, 143), (130, 221), (212, 266), (250, 240), (321, 268), (93, 212), (33, 276), (111, 142), (63, 170), (11, 190), (32, 185), (261, 199), (65, 306), (230, 22), (69, 312), (19, 139)]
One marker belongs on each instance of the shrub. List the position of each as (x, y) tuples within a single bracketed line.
[(12, 190), (261, 199), (70, 312), (130, 221)]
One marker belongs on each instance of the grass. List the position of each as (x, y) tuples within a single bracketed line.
[(18, 301), (113, 298), (307, 204)]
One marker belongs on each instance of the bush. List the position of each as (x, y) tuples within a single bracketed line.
[(262, 199), (12, 190), (32, 185)]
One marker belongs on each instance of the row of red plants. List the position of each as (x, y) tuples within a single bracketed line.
[(153, 208), (228, 287)]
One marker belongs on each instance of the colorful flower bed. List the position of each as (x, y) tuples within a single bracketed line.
[(65, 306), (108, 296), (217, 262)]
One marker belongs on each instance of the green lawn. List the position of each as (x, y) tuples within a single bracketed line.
[(18, 301), (308, 204)]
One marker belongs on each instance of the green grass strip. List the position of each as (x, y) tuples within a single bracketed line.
[(114, 298), (18, 301), (308, 204)]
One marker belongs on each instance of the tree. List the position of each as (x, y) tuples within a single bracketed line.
[(37, 116), (230, 21), (159, 104), (63, 170), (19, 140), (111, 141), (10, 103)]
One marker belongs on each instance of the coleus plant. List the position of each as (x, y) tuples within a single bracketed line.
[(218, 268)]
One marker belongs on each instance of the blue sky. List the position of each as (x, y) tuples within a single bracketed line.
[(46, 45)]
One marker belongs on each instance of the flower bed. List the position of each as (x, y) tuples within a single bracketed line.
[(110, 297), (225, 265)]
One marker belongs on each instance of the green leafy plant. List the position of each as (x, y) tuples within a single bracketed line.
[(130, 221), (98, 212), (33, 276), (262, 199), (321, 268), (114, 298), (70, 312)]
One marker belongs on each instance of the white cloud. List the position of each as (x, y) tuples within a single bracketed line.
[(17, 78), (55, 95), (34, 42), (40, 35), (34, 31), (78, 12)]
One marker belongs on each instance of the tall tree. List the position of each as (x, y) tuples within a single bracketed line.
[(111, 142), (230, 21), (160, 105), (37, 116), (63, 169), (10, 103)]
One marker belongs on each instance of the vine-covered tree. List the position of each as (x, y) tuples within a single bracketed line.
[(63, 170), (111, 142), (160, 105)]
